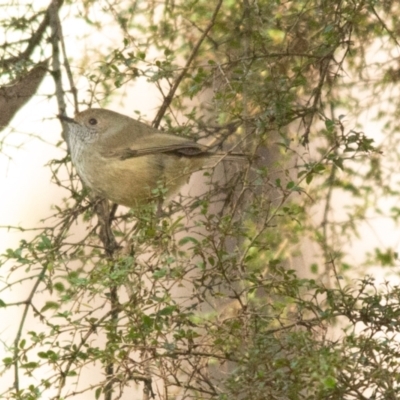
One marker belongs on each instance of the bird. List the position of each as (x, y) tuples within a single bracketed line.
[(129, 162)]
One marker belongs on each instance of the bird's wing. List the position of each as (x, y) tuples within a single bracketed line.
[(156, 143)]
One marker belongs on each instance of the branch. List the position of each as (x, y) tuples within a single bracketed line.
[(168, 99), (35, 38), (28, 303), (14, 96), (55, 38)]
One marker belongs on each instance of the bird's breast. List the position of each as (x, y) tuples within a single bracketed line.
[(132, 181), (127, 182)]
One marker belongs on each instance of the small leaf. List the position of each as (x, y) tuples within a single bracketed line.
[(45, 243), (167, 310), (338, 162), (50, 305), (329, 382), (59, 287), (188, 239), (329, 125), (8, 361), (160, 273), (30, 365)]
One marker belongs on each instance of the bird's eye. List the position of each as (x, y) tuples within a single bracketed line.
[(93, 121)]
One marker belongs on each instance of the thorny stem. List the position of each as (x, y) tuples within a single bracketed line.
[(101, 206), (55, 38), (36, 37)]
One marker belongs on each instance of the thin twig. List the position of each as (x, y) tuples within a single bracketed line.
[(28, 302), (55, 38), (72, 359), (168, 99), (68, 68), (35, 38), (389, 31)]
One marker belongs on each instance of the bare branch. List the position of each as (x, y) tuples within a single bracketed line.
[(34, 40), (18, 93), (170, 96)]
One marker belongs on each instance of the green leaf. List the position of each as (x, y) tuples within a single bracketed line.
[(160, 273), (338, 162), (147, 321), (44, 244), (329, 382), (167, 310), (8, 361), (188, 239), (314, 268), (59, 287), (50, 305), (329, 125), (30, 365)]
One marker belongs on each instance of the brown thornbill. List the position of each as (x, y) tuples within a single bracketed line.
[(125, 160)]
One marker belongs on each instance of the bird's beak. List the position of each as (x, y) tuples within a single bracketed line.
[(66, 119)]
